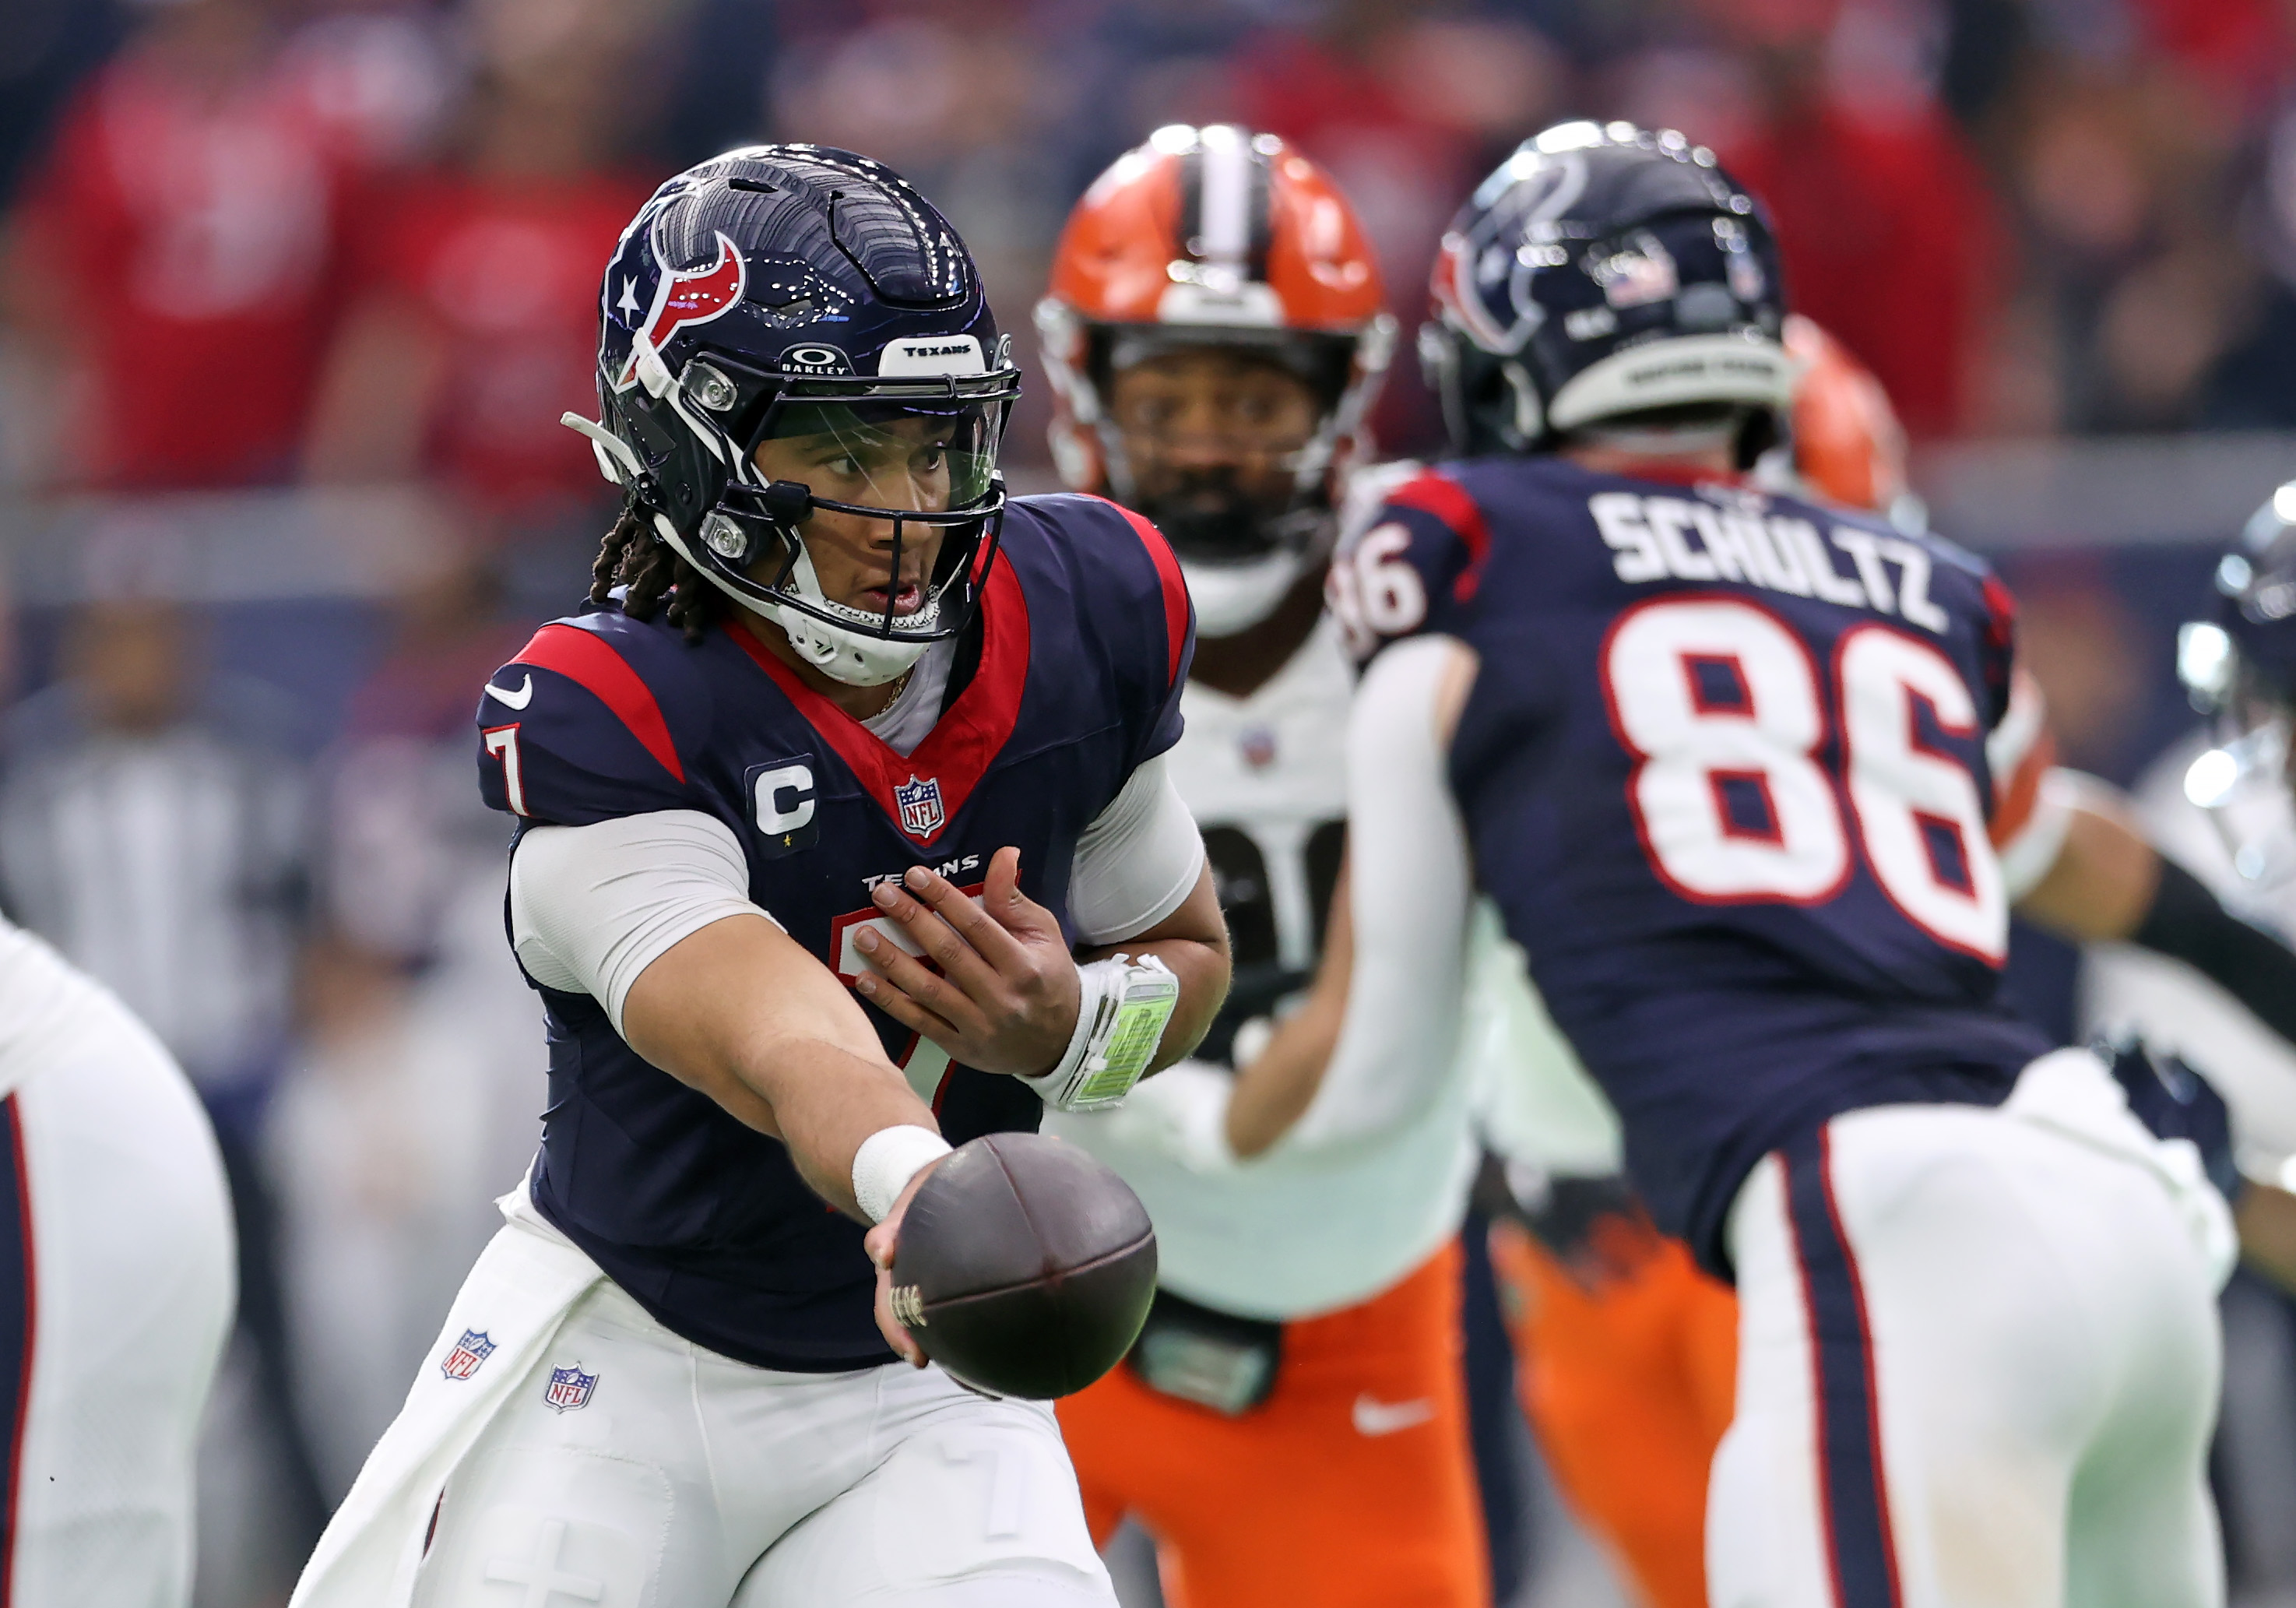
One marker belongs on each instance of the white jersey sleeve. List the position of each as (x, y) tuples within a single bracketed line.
[(1298, 1230), (1138, 862), (591, 907), (1409, 899)]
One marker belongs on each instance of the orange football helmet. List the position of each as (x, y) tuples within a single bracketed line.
[(1848, 446), (1217, 237)]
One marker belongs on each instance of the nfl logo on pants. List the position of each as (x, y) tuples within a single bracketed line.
[(920, 802), (569, 1387)]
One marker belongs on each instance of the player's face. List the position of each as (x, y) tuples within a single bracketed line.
[(1211, 428), (905, 464)]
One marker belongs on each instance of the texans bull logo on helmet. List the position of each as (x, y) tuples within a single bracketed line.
[(1482, 277), (670, 296), (1601, 271)]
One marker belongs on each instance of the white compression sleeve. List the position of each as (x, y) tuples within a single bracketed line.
[(593, 907), (1409, 878), (1136, 862)]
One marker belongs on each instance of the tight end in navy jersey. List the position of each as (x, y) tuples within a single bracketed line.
[(1672, 677)]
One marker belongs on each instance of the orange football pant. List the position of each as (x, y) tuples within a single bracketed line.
[(1294, 1502), (1628, 1379)]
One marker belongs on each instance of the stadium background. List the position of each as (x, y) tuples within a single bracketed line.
[(292, 291)]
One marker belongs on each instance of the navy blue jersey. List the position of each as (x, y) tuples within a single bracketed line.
[(1084, 638), (1724, 772)]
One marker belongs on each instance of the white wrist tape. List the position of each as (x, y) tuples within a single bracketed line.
[(1120, 1020), (887, 1160)]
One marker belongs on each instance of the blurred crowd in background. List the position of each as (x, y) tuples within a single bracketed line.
[(292, 293)]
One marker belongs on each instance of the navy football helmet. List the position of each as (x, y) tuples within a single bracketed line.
[(2240, 669), (810, 297), (1605, 271)]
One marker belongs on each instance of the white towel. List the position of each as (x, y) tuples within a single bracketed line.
[(518, 1295)]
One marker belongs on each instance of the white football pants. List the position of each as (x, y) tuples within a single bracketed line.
[(1978, 1368), (116, 1295), (680, 1478)]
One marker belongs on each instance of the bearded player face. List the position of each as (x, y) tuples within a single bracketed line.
[(1212, 437)]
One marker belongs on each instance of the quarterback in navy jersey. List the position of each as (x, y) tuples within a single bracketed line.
[(1719, 756), (843, 835)]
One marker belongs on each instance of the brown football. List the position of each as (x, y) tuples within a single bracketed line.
[(1024, 1267)]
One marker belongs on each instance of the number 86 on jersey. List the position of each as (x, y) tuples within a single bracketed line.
[(1725, 709)]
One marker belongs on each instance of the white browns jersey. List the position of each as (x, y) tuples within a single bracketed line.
[(1300, 1230), (1265, 777), (2178, 1011)]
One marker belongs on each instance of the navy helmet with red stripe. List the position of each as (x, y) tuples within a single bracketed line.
[(802, 293), (1605, 273)]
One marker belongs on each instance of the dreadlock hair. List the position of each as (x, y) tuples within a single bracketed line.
[(632, 555)]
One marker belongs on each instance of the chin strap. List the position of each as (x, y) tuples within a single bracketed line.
[(855, 657)]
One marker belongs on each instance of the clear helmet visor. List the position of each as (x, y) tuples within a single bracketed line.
[(899, 455), (864, 509)]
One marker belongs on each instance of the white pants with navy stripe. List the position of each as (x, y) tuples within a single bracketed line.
[(116, 1294), (630, 1468), (1978, 1368)]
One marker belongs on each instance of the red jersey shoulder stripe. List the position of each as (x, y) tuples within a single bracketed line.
[(2000, 613), (1167, 574), (1435, 493), (588, 660)]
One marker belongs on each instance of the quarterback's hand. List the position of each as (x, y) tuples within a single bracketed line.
[(880, 1242), (1007, 995)]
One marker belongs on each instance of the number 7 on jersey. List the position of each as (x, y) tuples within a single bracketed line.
[(502, 742)]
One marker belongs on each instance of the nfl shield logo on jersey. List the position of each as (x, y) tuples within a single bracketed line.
[(569, 1387), (473, 1349), (920, 802)]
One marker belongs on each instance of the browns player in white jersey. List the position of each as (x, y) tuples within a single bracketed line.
[(1291, 1425)]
